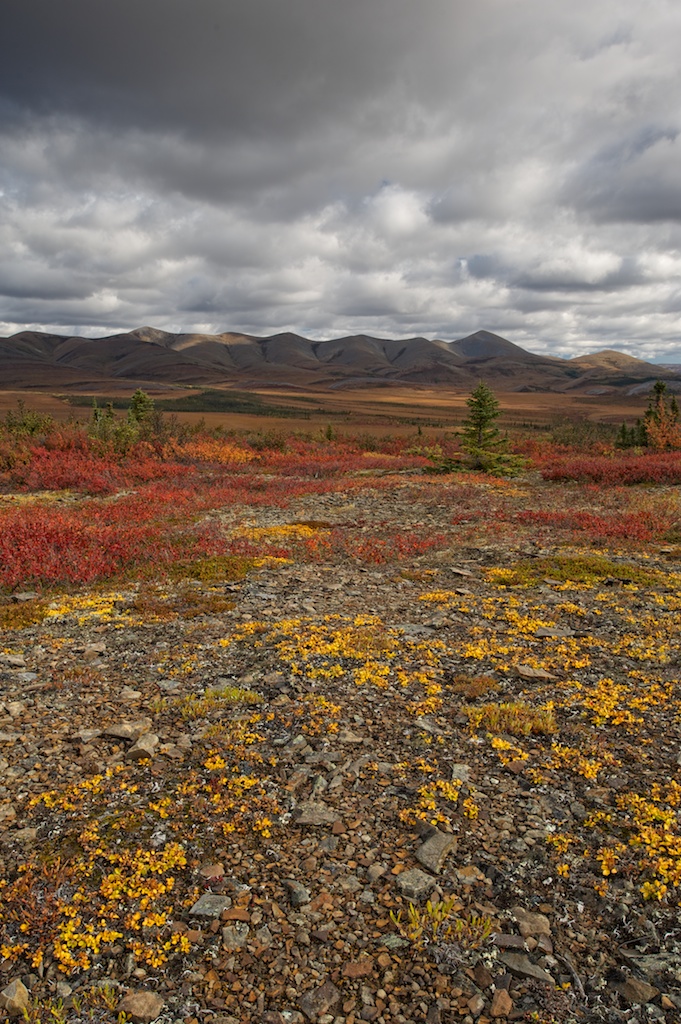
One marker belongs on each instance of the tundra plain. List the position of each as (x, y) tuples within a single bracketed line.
[(293, 728)]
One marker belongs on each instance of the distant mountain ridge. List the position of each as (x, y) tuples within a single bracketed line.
[(148, 356)]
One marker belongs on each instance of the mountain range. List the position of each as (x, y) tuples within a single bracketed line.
[(147, 357)]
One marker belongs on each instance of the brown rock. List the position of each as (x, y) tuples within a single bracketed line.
[(636, 991), (235, 914), (502, 1004), (141, 1006), (143, 748), (531, 924), (129, 730), (481, 976), (360, 969), (476, 1004)]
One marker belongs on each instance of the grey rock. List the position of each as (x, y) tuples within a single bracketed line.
[(87, 735), (25, 835), (461, 773), (298, 894), (320, 1000), (415, 884), (636, 991), (521, 965), (235, 936), (426, 723), (210, 905), (504, 941), (264, 937), (27, 595), (433, 853), (168, 685), (127, 693), (314, 813), (527, 672)]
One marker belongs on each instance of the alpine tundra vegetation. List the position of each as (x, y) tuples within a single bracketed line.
[(292, 728)]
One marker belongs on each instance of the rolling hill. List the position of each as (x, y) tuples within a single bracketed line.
[(148, 357)]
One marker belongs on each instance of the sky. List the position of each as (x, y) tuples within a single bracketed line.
[(366, 166)]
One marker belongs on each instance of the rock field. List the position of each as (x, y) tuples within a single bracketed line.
[(223, 797)]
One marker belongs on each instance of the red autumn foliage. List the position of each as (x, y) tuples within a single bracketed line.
[(617, 468)]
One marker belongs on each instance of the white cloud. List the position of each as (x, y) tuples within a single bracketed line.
[(386, 167)]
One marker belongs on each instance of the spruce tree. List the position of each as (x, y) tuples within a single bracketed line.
[(482, 441)]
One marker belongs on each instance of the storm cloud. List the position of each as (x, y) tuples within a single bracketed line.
[(372, 166)]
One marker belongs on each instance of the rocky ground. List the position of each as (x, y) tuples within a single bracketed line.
[(440, 789)]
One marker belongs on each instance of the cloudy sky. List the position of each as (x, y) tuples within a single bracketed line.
[(343, 166)]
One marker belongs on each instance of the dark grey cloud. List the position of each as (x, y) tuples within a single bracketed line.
[(331, 167)]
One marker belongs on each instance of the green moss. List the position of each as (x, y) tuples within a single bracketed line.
[(587, 569), (197, 707), (216, 569)]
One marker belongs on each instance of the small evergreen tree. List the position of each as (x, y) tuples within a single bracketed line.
[(486, 447), (141, 407), (661, 420)]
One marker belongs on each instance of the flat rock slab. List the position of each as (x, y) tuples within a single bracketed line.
[(129, 730), (522, 967), (531, 924), (348, 736), (314, 813), (433, 853), (426, 723), (359, 969), (415, 884), (210, 905), (527, 672), (461, 773), (636, 991)]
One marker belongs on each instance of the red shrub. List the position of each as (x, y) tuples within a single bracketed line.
[(625, 468)]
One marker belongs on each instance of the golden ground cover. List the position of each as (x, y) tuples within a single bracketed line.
[(363, 676)]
